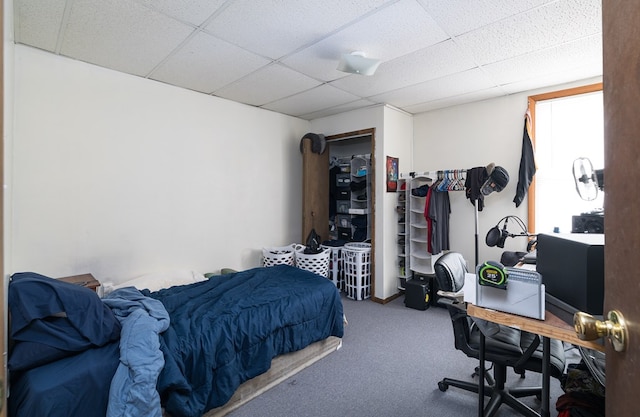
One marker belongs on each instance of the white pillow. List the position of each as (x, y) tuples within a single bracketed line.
[(158, 280)]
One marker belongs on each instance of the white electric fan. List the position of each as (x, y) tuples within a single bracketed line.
[(588, 181)]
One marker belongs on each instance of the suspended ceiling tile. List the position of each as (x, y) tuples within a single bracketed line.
[(461, 16), (549, 81), (358, 104), (275, 28), (266, 85), (463, 82), (397, 30), (578, 57), (121, 35), (206, 64), (456, 100), (310, 101), (37, 23), (553, 24), (436, 61), (520, 44), (193, 12)]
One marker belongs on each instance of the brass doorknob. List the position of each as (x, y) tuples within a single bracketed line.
[(588, 327)]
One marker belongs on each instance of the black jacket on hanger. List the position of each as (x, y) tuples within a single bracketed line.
[(473, 183), (527, 167)]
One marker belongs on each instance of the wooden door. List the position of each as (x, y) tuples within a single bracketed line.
[(315, 192), (621, 46), (3, 315)]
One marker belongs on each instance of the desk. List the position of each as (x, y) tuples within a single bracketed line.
[(550, 328)]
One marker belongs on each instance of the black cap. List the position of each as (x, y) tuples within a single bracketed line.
[(498, 179)]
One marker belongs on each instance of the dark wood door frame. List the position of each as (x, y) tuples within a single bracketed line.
[(372, 217), (315, 193)]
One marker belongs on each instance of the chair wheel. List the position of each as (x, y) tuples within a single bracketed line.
[(442, 386)]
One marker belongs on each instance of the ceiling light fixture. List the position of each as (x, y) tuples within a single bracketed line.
[(357, 63)]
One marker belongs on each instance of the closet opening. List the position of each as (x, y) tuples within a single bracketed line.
[(339, 190)]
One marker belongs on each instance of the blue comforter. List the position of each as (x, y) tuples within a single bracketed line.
[(133, 387), (226, 330)]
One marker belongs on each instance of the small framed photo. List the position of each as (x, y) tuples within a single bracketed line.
[(392, 174)]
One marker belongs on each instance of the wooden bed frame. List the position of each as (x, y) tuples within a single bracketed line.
[(282, 367)]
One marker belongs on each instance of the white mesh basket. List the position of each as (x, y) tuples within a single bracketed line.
[(280, 255), (335, 264), (358, 246), (317, 262), (356, 261)]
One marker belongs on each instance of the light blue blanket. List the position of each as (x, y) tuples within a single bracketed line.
[(133, 390)]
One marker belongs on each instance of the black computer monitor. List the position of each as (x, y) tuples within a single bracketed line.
[(572, 269)]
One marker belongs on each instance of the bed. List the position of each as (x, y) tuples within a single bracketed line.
[(209, 344)]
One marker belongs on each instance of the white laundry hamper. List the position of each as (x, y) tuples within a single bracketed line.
[(280, 255), (315, 262), (356, 263)]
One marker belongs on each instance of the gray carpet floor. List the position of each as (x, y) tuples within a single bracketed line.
[(390, 363)]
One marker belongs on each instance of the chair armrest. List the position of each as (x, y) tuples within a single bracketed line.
[(457, 296)]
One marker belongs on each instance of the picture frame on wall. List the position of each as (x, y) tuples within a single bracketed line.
[(392, 174)]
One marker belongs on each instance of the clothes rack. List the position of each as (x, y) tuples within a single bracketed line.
[(453, 180)]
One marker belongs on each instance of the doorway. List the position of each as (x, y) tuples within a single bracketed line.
[(317, 187)]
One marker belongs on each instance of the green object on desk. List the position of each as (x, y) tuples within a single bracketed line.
[(493, 274)]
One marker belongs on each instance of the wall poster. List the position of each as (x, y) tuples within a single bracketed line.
[(392, 174)]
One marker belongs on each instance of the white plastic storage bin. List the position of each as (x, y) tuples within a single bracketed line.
[(335, 265), (316, 262), (280, 255), (356, 262)]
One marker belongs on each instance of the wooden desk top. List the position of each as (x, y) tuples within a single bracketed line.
[(552, 327)]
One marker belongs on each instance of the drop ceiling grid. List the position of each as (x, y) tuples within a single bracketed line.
[(189, 11), (266, 85), (322, 97), (353, 105), (276, 28), (397, 30), (38, 24), (582, 54), (451, 85), (489, 93), (124, 36), (206, 63), (436, 61), (462, 16), (227, 48), (538, 29)]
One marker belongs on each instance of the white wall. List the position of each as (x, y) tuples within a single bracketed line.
[(398, 133), (472, 135), (119, 176)]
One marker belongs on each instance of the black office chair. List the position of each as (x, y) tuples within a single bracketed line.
[(505, 347)]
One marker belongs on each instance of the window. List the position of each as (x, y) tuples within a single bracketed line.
[(567, 125)]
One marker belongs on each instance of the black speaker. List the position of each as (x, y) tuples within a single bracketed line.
[(587, 223)]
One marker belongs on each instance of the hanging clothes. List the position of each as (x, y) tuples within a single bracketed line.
[(439, 214), (527, 164), (473, 184), (427, 205)]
